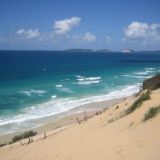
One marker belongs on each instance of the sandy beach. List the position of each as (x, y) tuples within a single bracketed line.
[(107, 135), (67, 118)]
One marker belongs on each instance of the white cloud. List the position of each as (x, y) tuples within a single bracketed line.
[(21, 31), (28, 34), (64, 26), (60, 33), (89, 37), (143, 31)]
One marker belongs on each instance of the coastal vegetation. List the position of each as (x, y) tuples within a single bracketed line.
[(152, 83), (3, 144), (23, 136), (145, 96), (19, 137), (152, 112)]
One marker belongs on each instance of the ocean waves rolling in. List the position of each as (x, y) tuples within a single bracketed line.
[(31, 91), (88, 80), (61, 88), (146, 73), (59, 105)]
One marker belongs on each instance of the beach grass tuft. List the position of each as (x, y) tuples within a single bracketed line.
[(23, 136), (145, 96), (153, 111), (3, 144)]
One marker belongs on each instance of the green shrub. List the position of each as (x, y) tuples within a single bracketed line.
[(153, 111), (152, 83), (138, 102), (23, 136), (3, 144)]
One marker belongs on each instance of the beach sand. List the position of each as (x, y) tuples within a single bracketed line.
[(106, 135), (67, 118)]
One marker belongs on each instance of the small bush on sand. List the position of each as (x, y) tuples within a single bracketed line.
[(152, 83), (138, 102), (153, 111), (23, 136), (111, 120), (3, 144)]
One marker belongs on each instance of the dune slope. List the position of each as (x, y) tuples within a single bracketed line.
[(105, 136)]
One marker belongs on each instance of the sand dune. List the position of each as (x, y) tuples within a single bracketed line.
[(105, 136)]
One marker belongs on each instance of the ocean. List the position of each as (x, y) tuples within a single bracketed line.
[(35, 85)]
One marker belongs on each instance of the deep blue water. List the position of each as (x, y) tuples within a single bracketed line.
[(35, 84)]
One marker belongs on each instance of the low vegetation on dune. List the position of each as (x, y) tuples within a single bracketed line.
[(145, 96), (20, 137), (3, 144), (23, 136), (152, 112), (152, 83)]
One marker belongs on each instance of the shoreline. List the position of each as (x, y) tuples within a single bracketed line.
[(66, 118), (107, 135)]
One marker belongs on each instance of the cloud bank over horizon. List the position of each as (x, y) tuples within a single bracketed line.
[(143, 31), (61, 30), (136, 32), (28, 34)]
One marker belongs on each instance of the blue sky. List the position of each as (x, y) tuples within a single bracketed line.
[(63, 24)]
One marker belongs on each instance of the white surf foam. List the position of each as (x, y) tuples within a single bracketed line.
[(33, 91), (59, 85), (82, 80), (146, 73), (59, 105), (142, 73), (136, 76), (65, 89), (88, 79), (151, 69), (88, 82), (53, 96), (62, 88)]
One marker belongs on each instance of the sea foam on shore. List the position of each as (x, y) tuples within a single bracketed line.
[(31, 116)]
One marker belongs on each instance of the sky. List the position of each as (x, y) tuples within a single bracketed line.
[(93, 24)]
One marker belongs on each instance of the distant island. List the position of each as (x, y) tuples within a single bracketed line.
[(87, 50), (98, 50), (79, 50), (91, 50), (128, 50), (103, 50)]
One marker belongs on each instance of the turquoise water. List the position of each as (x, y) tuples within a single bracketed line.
[(39, 84)]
